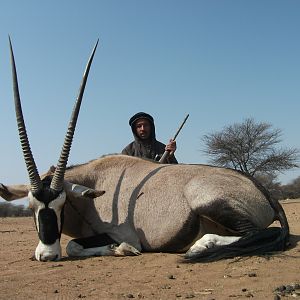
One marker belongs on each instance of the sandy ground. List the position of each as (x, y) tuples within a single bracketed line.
[(149, 276)]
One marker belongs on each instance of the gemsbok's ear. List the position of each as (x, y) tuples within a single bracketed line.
[(76, 190), (50, 172), (14, 192)]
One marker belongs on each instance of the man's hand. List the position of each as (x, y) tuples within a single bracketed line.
[(171, 147)]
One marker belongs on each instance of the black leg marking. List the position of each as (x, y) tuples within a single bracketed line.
[(95, 241)]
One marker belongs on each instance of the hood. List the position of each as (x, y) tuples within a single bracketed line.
[(142, 115)]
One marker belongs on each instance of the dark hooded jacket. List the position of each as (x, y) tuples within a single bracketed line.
[(152, 149)]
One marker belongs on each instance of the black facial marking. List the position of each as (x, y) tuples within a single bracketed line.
[(62, 219), (47, 219), (48, 228), (46, 194)]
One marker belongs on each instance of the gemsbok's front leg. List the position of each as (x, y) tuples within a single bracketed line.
[(85, 247)]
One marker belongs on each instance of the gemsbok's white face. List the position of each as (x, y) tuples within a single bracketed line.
[(48, 217), (47, 197)]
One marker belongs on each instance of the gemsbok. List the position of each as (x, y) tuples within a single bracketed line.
[(121, 205)]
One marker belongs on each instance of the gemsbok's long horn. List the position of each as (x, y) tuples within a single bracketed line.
[(58, 178), (34, 177)]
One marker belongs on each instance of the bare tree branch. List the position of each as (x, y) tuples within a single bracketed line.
[(251, 148)]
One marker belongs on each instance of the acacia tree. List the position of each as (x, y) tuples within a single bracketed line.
[(250, 147)]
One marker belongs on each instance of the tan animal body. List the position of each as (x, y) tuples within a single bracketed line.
[(121, 205)]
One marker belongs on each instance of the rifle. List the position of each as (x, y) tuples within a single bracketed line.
[(166, 153)]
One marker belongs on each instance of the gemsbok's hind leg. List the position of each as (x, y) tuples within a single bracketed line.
[(209, 241), (100, 245), (213, 235)]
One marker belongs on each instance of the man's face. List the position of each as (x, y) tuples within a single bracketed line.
[(143, 129)]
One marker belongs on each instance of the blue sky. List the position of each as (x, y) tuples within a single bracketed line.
[(219, 61)]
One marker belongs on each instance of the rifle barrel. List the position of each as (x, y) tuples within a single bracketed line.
[(179, 129)]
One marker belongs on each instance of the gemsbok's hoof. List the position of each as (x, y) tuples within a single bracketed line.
[(125, 249)]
